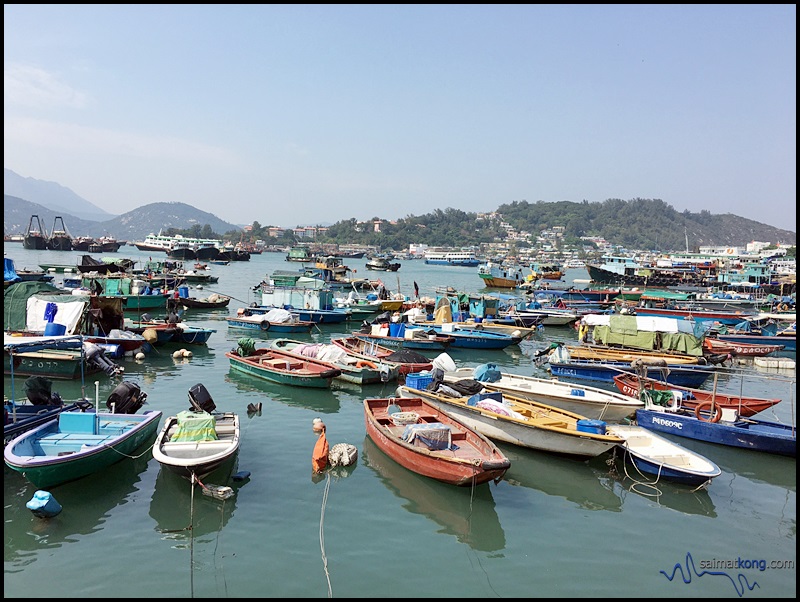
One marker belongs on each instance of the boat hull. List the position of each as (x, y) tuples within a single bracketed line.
[(688, 375), (655, 455), (749, 433), (516, 432), (744, 406), (198, 458), (320, 379), (474, 461), (50, 470)]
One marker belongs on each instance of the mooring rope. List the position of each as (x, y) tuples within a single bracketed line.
[(322, 532)]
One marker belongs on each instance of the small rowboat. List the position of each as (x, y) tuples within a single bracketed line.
[(406, 360), (196, 442), (425, 440), (655, 455), (287, 369), (739, 349)]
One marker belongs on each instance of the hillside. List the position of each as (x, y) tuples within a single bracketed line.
[(635, 224), (130, 226)]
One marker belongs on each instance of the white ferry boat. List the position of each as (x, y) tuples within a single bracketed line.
[(459, 258)]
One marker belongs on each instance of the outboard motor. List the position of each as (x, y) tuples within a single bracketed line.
[(97, 357), (126, 398), (201, 399), (38, 392)]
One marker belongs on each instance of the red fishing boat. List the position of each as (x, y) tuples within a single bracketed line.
[(631, 385), (425, 440)]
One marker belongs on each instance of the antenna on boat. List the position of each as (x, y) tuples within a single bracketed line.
[(686, 236)]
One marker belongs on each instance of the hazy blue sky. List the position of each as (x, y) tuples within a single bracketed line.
[(311, 114)]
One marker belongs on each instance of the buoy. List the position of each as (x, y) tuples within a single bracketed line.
[(177, 354), (241, 475), (187, 353), (140, 356), (342, 454), (44, 505)]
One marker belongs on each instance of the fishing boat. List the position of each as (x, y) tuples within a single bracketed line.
[(654, 455), (276, 320), (501, 275), (617, 354), (740, 349), (412, 338), (283, 368), (471, 338), (723, 317), (354, 369), (381, 264), (426, 440), (591, 402), (213, 301), (526, 423), (634, 385), (406, 360), (711, 423), (192, 335), (196, 442), (66, 357), (76, 444)]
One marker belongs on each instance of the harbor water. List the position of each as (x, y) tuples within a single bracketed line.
[(553, 527)]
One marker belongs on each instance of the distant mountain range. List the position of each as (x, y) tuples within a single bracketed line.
[(639, 223), (49, 200)]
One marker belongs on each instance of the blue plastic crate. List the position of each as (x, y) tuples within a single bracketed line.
[(419, 380)]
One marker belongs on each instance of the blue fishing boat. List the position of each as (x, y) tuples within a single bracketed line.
[(471, 339), (685, 375), (712, 423)]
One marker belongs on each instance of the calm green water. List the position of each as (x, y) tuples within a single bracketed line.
[(554, 527)]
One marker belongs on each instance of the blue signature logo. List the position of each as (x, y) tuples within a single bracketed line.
[(740, 584)]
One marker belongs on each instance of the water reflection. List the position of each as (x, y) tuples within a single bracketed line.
[(587, 486), (87, 504), (623, 480), (320, 400), (180, 514), (756, 466), (467, 513)]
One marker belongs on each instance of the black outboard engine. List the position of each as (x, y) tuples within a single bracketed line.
[(38, 392), (201, 399), (126, 398), (97, 357)]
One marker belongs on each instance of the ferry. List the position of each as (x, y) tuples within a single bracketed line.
[(459, 258)]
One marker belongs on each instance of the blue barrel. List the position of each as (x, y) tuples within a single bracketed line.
[(592, 426), (183, 292), (51, 329)]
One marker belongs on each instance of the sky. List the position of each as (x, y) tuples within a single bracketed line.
[(310, 114)]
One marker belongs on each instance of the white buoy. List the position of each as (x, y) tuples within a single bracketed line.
[(178, 353), (140, 356), (187, 353)]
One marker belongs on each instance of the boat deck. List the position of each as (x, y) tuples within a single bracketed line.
[(62, 444)]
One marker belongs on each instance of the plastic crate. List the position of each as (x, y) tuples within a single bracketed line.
[(419, 380)]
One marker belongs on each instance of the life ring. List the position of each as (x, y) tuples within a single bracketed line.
[(366, 364), (264, 325), (729, 251), (704, 407)]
